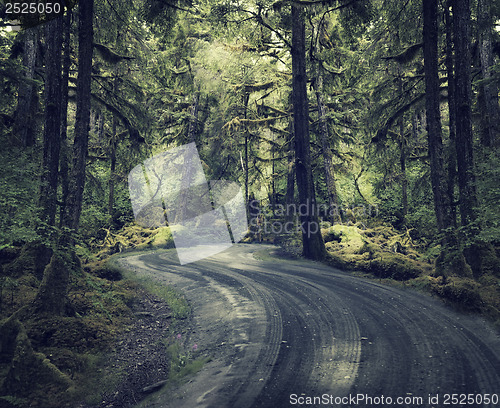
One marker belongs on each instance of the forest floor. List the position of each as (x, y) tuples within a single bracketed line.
[(125, 337), (140, 354), (110, 348), (393, 257), (274, 326)]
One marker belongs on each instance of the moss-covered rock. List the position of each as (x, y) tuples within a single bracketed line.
[(330, 235), (163, 238), (459, 291), (80, 334), (51, 296), (452, 263), (33, 258), (349, 236), (337, 261), (368, 250), (387, 265), (108, 272), (28, 372), (482, 259)]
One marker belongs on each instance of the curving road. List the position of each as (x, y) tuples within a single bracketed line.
[(285, 333)]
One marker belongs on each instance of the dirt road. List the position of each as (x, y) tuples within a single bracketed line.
[(286, 333)]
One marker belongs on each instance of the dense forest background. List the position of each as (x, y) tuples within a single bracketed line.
[(384, 114)]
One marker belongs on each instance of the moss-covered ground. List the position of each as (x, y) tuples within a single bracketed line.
[(393, 257), (55, 361), (469, 279)]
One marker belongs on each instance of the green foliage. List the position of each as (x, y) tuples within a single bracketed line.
[(152, 57), (460, 291), (451, 262), (184, 359), (93, 219), (162, 14), (489, 191), (15, 401), (18, 208), (380, 251), (177, 303)]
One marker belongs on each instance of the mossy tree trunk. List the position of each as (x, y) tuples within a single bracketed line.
[(290, 179), (28, 371), (113, 144), (432, 104), (488, 103), (51, 296), (313, 245), (463, 106), (82, 119), (66, 65), (52, 128), (331, 187), (189, 166), (24, 122), (246, 98), (452, 156)]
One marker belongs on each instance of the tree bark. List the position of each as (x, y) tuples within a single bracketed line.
[(52, 129), (434, 131), (51, 295), (331, 187), (403, 152), (24, 120), (452, 157), (82, 120), (112, 153), (312, 241), (463, 103), (290, 180), (404, 178), (66, 64), (112, 169), (489, 108), (246, 98), (187, 169)]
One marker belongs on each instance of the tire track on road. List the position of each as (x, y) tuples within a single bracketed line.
[(291, 326)]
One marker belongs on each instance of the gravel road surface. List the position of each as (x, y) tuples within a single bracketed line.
[(287, 332)]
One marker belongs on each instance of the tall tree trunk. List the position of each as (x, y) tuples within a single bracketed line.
[(489, 108), (66, 64), (331, 187), (434, 132), (273, 175), (52, 130), (82, 120), (290, 180), (452, 156), (312, 241), (246, 98), (404, 178), (398, 73), (112, 169), (187, 169), (24, 119), (463, 102), (193, 120), (403, 152), (112, 153), (49, 296)]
